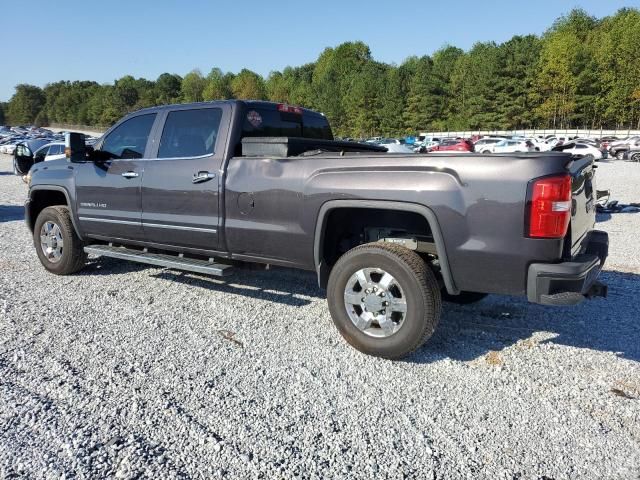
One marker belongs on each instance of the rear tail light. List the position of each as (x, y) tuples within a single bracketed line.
[(550, 207)]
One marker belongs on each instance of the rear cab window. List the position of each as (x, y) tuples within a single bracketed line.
[(264, 120)]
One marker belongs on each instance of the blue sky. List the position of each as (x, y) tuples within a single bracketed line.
[(85, 40)]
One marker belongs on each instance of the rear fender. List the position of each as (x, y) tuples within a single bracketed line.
[(323, 270)]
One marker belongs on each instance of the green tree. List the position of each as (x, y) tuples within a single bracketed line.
[(423, 102), (516, 72), (41, 119), (392, 103), (25, 104), (217, 85), (444, 63), (332, 77), (168, 88), (278, 88), (362, 101), (193, 85), (248, 85), (3, 107), (473, 84), (617, 56), (563, 88)]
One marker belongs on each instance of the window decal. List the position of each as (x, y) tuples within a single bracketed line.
[(254, 118)]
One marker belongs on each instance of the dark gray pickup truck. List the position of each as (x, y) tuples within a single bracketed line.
[(204, 187)]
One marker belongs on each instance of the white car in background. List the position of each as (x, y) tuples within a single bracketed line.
[(10, 147), (553, 141), (421, 147), (539, 145), (580, 149), (509, 146), (50, 151), (484, 145), (394, 146)]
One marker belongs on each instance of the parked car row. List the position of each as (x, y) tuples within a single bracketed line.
[(485, 145), (620, 148), (30, 145)]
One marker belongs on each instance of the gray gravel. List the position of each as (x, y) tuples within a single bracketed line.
[(128, 371)]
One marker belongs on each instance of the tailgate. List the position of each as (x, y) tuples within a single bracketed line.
[(583, 209)]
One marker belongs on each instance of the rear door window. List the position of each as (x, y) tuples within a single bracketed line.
[(190, 133), (129, 139)]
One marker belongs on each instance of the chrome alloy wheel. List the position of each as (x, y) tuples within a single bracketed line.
[(375, 302), (51, 241)]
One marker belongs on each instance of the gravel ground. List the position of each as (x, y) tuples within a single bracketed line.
[(130, 371)]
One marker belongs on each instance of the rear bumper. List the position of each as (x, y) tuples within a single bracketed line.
[(569, 283)]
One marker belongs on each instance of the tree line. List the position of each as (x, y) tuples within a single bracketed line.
[(583, 72)]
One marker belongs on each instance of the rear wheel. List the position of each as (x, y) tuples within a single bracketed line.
[(384, 299), (486, 152), (59, 249), (620, 155)]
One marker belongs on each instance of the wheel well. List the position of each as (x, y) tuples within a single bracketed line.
[(41, 199), (346, 228)]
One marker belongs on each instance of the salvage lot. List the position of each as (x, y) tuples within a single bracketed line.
[(127, 370)]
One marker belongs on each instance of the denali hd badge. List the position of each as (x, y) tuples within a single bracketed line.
[(93, 205)]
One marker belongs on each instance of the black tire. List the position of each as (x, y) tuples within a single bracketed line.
[(73, 257), (620, 155), (419, 286), (486, 152), (464, 298)]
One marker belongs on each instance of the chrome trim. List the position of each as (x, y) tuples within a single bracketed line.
[(154, 225), (180, 227), (197, 157), (108, 220)]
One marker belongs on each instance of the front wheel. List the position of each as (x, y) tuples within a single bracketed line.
[(620, 155), (59, 249), (384, 299)]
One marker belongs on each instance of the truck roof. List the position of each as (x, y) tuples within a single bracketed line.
[(249, 103)]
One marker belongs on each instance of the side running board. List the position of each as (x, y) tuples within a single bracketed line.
[(162, 260)]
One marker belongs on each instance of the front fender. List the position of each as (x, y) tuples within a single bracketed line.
[(29, 216)]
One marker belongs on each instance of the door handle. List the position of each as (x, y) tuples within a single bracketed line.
[(130, 174), (203, 177)]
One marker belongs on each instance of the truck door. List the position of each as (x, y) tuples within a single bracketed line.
[(180, 188), (108, 191)]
